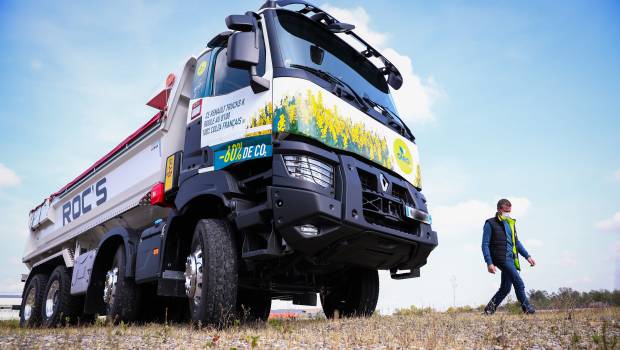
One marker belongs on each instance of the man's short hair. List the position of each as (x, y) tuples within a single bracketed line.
[(503, 202)]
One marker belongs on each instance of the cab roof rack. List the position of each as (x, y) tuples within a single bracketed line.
[(394, 78)]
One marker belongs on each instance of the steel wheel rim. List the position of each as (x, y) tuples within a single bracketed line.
[(29, 304), (109, 289), (51, 299), (193, 276)]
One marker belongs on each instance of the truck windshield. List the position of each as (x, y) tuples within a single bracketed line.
[(305, 43)]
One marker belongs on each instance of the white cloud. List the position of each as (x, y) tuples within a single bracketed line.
[(533, 243), (568, 259), (464, 217), (445, 181), (416, 97), (468, 216), (617, 175), (610, 225), (8, 177)]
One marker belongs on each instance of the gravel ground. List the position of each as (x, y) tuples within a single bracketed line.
[(587, 329)]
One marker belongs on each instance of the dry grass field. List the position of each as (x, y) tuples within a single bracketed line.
[(417, 329)]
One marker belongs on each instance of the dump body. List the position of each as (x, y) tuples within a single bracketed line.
[(110, 192)]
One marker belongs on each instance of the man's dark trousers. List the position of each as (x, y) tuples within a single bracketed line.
[(510, 277)]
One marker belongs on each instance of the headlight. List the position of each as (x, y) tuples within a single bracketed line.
[(309, 230), (310, 169)]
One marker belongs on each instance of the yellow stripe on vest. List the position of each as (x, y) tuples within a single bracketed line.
[(511, 223)]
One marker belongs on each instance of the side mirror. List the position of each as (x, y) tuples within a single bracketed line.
[(241, 23), (242, 51)]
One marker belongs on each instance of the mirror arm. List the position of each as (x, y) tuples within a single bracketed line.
[(258, 83)]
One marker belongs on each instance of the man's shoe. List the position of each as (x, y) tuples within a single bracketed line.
[(490, 308), (528, 309)]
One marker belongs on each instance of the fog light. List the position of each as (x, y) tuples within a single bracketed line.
[(309, 230), (310, 169)]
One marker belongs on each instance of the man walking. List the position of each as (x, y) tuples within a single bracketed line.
[(501, 248)]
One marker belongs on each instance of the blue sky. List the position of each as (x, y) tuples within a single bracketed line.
[(512, 99)]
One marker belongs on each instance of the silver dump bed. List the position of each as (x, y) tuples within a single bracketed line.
[(109, 193)]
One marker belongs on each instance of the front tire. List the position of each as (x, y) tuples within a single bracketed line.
[(211, 273), (121, 294), (30, 310), (356, 296), (59, 307)]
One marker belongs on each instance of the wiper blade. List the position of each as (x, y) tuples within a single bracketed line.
[(334, 80), (388, 113), (384, 110)]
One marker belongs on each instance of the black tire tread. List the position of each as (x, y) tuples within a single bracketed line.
[(69, 307), (219, 287), (126, 300), (40, 280), (360, 291)]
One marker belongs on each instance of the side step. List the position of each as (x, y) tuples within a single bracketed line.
[(413, 273)]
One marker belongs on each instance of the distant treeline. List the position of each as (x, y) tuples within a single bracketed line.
[(568, 298), (563, 299)]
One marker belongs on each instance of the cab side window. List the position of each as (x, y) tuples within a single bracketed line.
[(200, 86), (227, 79)]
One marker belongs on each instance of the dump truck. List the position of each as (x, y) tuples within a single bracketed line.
[(276, 167)]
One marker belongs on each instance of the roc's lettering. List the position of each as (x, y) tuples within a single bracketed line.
[(83, 202)]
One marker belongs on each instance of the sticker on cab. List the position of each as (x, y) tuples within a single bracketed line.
[(403, 156), (202, 67), (242, 150)]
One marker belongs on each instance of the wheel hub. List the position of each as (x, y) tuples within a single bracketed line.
[(109, 289), (29, 304), (51, 300), (193, 275)]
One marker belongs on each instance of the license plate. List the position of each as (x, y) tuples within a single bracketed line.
[(417, 215)]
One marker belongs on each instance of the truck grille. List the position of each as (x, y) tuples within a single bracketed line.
[(385, 209), (402, 194)]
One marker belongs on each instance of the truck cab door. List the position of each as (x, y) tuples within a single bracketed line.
[(235, 122)]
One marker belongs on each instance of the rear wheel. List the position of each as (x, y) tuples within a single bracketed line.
[(59, 306), (120, 294), (211, 273), (356, 296), (253, 305), (30, 311)]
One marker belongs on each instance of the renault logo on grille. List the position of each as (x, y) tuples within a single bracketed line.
[(384, 182)]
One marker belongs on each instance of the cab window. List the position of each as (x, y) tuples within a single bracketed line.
[(200, 84)]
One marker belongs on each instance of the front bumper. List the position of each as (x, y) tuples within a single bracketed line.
[(360, 221)]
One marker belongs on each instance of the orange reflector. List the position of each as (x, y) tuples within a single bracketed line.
[(155, 251)]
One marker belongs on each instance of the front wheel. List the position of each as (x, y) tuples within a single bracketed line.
[(356, 296), (211, 273), (120, 294)]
